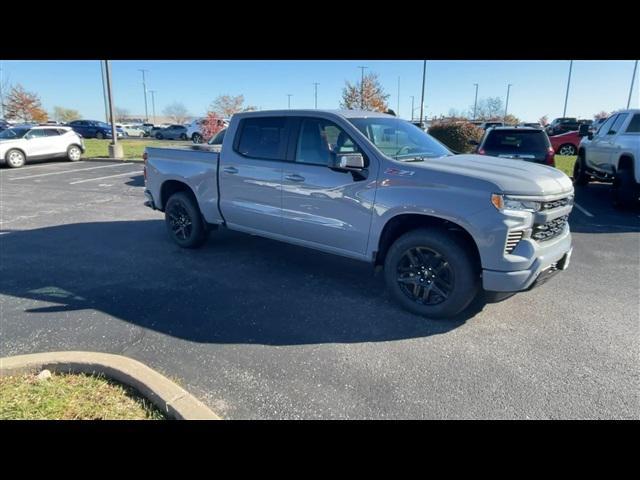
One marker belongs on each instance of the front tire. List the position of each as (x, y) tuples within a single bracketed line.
[(15, 158), (430, 272), (567, 149), (159, 136), (196, 138), (580, 176), (100, 136), (625, 189), (74, 153), (183, 136), (184, 221)]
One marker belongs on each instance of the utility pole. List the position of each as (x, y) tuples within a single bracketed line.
[(316, 93), (412, 109), (115, 148), (104, 92), (506, 105), (398, 112), (2, 93), (566, 97), (633, 79), (475, 102), (362, 87), (153, 105), (144, 87), (424, 76), (289, 95)]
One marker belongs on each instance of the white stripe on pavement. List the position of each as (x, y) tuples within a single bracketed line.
[(139, 172), (583, 210), (71, 171)]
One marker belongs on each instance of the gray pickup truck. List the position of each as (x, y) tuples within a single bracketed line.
[(375, 188)]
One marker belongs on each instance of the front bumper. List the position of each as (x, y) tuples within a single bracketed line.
[(542, 269)]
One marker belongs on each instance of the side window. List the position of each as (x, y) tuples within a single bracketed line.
[(263, 138), (634, 124), (606, 125), (318, 139), (51, 132), (36, 133), (617, 124)]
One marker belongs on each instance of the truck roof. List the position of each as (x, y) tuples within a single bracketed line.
[(292, 112)]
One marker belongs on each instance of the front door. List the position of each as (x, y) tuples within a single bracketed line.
[(319, 205), (37, 144)]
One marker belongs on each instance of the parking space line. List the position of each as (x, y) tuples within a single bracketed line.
[(70, 171), (583, 210), (139, 172)]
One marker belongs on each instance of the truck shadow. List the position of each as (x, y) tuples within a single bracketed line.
[(236, 289)]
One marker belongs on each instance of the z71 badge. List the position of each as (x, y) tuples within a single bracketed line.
[(397, 171)]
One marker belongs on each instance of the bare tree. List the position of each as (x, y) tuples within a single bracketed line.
[(367, 94), (177, 111), (24, 106), (227, 105), (65, 115), (544, 120), (490, 108), (121, 114), (601, 114)]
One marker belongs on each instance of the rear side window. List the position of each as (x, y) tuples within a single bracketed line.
[(634, 124), (52, 132), (606, 125), (263, 138), (519, 141)]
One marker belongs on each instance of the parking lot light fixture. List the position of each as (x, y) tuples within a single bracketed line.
[(144, 87), (412, 109), (289, 95), (424, 77), (316, 93), (362, 87), (153, 104)]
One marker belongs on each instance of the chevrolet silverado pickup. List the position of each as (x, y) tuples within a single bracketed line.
[(375, 188), (612, 154)]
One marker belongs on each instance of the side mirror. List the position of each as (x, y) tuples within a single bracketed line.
[(347, 161), (583, 130)]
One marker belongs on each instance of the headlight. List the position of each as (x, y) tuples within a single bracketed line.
[(504, 202)]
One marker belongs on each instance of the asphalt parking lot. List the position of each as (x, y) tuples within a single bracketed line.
[(260, 329)]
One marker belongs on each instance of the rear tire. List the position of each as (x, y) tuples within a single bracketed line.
[(15, 158), (625, 189), (184, 221), (100, 136), (183, 136), (430, 272), (580, 176), (159, 136), (196, 138)]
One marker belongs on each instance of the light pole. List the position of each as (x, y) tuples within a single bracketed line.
[(412, 109), (144, 86), (315, 86), (398, 112), (633, 78), (115, 149), (475, 102), (289, 95), (104, 93), (153, 104), (566, 97), (2, 94), (362, 87), (424, 76), (506, 106)]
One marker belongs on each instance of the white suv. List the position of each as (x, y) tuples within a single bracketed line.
[(23, 143), (612, 153), (194, 131)]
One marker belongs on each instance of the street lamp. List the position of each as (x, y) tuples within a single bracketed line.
[(475, 102), (144, 86), (153, 104), (362, 87), (289, 95), (566, 97), (506, 106)]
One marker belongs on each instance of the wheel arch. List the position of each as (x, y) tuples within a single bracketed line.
[(402, 223), (169, 187), (26, 157)]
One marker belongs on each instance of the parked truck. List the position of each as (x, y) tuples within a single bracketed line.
[(612, 154), (375, 188)]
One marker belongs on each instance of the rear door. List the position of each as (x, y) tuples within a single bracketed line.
[(600, 148), (250, 174)]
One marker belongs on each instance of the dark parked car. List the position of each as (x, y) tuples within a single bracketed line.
[(520, 143), (4, 125), (487, 125), (94, 129), (172, 132), (565, 124)]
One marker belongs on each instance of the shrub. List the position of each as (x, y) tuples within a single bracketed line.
[(211, 125), (456, 135)]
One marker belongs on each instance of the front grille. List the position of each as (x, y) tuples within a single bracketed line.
[(549, 230), (557, 203), (512, 240)]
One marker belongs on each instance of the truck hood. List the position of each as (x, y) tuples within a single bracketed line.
[(510, 176)]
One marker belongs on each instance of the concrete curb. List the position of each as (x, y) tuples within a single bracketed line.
[(171, 399)]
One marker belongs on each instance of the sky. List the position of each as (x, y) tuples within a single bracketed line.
[(538, 87)]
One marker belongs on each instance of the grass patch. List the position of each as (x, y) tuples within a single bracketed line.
[(565, 163), (71, 397), (132, 149)]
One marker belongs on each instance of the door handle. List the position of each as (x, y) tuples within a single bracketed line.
[(230, 170), (294, 177)]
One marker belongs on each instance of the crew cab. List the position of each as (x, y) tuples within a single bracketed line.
[(612, 154), (375, 188)]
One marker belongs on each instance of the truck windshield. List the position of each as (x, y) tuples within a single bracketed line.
[(400, 139)]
